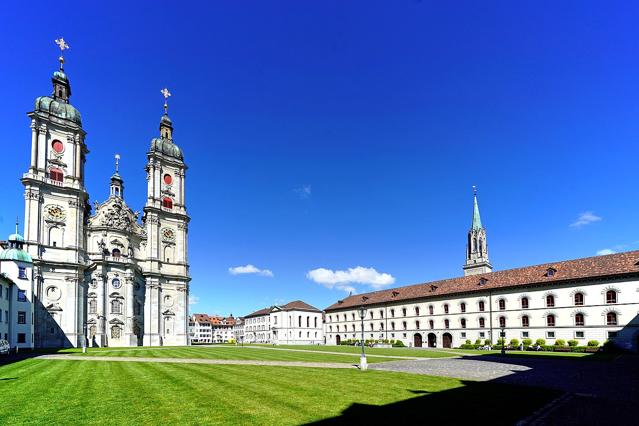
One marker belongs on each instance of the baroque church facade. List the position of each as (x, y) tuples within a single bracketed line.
[(107, 273)]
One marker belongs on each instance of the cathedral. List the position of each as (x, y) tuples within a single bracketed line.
[(102, 273)]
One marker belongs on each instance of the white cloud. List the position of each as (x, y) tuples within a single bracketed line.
[(304, 191), (603, 252), (250, 269), (585, 218), (358, 275), (193, 300)]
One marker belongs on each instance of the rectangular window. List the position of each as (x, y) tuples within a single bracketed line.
[(22, 272), (22, 338), (550, 334), (463, 335), (22, 296), (524, 334), (22, 317), (482, 334), (579, 335)]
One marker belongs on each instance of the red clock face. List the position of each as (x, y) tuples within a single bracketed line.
[(168, 179), (57, 146)]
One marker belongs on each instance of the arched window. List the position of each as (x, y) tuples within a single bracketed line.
[(611, 318), (579, 319), (481, 306), (299, 321), (116, 307), (315, 323), (525, 322), (417, 310), (445, 308), (431, 324), (404, 324), (393, 313), (93, 306), (482, 323), (381, 325), (611, 296), (116, 253), (417, 325), (430, 309), (579, 299), (463, 323), (404, 311), (344, 317), (308, 321), (550, 301), (116, 332), (550, 320), (462, 306), (56, 174), (392, 325), (502, 304), (167, 203), (502, 322), (381, 314), (446, 323), (524, 303)]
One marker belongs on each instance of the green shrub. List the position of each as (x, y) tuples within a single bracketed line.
[(399, 344), (501, 341), (488, 342), (478, 342), (578, 348), (541, 342), (467, 341), (560, 342), (514, 342), (467, 346), (573, 343), (527, 342), (593, 343), (548, 348)]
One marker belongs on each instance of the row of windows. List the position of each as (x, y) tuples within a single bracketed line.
[(578, 300), (579, 321)]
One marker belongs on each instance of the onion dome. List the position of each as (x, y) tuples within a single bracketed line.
[(15, 251), (166, 147), (63, 110)]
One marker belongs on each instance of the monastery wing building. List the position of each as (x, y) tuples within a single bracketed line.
[(594, 298), (109, 274)]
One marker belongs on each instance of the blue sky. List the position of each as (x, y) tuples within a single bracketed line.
[(337, 135)]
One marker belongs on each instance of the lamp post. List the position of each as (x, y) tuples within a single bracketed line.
[(362, 359), (84, 338), (503, 341)]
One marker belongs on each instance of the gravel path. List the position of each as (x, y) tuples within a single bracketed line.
[(199, 361)]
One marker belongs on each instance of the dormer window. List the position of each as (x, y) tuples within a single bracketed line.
[(550, 272), (483, 281)]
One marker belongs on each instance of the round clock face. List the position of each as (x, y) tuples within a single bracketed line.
[(56, 213), (116, 283), (57, 146), (168, 234), (168, 179)]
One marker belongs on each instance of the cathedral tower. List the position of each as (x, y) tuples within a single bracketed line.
[(56, 209), (166, 222), (477, 248)]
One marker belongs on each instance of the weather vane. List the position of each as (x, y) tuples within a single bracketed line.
[(165, 92), (117, 161), (63, 46)]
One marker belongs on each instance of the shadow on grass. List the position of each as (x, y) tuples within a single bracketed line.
[(27, 354), (496, 404)]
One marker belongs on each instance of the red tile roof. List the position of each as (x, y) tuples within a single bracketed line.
[(296, 305), (613, 265)]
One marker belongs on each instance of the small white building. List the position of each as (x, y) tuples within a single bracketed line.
[(295, 323), (16, 294)]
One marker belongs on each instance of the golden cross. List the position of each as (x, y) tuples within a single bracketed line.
[(63, 46), (165, 92)]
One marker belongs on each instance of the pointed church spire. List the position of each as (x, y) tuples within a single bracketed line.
[(476, 217), (117, 183), (476, 247)]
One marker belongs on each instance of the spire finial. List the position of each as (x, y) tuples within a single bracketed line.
[(474, 190), (17, 224), (117, 162), (165, 92), (63, 46)]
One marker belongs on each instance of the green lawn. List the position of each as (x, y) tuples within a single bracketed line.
[(92, 392), (417, 353), (227, 352)]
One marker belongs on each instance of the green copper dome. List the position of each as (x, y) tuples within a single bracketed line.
[(166, 147), (15, 254), (16, 237), (58, 109), (60, 75)]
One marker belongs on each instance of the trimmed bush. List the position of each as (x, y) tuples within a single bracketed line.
[(560, 342), (548, 348), (514, 342), (573, 343), (467, 346), (501, 341), (527, 342), (541, 342), (478, 342), (468, 342), (488, 342), (399, 344), (593, 343)]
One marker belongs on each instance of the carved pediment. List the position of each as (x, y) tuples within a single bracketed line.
[(116, 321), (168, 312), (54, 307)]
